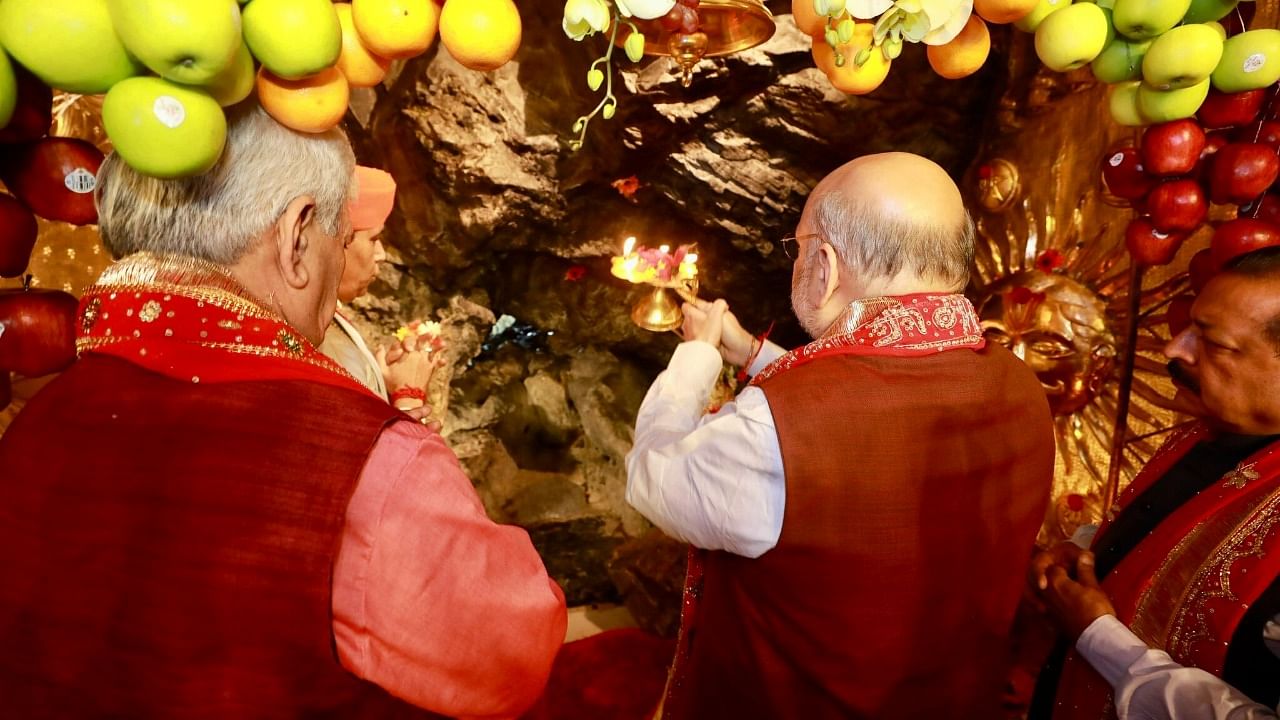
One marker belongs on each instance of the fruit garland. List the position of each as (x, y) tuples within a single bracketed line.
[(169, 67), (856, 41)]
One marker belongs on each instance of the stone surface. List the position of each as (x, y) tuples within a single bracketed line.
[(497, 217)]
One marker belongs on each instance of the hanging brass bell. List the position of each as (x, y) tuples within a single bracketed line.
[(725, 27)]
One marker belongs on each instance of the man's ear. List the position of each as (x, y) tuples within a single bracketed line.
[(828, 272), (291, 240)]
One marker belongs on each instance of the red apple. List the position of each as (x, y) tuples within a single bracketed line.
[(1222, 110), (1241, 172), (55, 177), (1149, 246), (1201, 269), (1240, 236), (1266, 132), (1178, 313), (1124, 175), (1265, 208), (18, 231), (37, 331), (1172, 148), (1177, 206), (33, 114), (1213, 142)]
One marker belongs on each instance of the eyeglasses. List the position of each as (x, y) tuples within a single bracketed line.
[(791, 244)]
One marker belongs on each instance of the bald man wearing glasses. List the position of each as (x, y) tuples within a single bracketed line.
[(864, 511)]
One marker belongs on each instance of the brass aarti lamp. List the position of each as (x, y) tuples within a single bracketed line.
[(658, 311), (724, 27)]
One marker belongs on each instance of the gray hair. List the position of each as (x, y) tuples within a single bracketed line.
[(217, 216), (874, 244)]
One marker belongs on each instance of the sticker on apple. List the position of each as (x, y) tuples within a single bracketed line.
[(1254, 62), (80, 181), (169, 111), (1117, 159)]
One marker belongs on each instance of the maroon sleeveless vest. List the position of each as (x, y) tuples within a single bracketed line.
[(915, 487), (167, 547)]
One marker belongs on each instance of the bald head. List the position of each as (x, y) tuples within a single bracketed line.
[(894, 216), (898, 185)]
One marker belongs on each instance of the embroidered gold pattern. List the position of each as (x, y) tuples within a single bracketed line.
[(90, 316), (150, 311), (887, 320), (203, 282), (289, 341), (1213, 582), (1241, 476), (228, 324)]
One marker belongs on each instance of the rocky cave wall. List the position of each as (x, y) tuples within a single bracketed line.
[(497, 217)]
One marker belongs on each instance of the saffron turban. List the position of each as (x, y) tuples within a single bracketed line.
[(372, 198)]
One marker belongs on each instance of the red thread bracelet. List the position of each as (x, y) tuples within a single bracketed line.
[(742, 373), (409, 393)]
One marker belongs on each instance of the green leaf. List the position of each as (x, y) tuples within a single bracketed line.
[(634, 46), (595, 79), (845, 30)]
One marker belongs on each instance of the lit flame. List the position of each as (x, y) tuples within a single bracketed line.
[(629, 245)]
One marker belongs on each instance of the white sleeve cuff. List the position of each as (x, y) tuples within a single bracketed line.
[(696, 364), (1110, 647), (769, 352)]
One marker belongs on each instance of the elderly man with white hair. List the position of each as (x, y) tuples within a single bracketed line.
[(206, 517), (867, 505)]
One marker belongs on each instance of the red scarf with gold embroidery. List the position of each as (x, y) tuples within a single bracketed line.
[(189, 319), (899, 326)]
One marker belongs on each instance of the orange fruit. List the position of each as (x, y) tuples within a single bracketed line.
[(807, 19), (963, 55), (849, 78), (362, 68), (1000, 12), (481, 34), (311, 104), (824, 56), (396, 28)]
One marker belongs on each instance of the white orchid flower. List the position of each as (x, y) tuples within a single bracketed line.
[(866, 9), (951, 24), (584, 17), (645, 9), (934, 22)]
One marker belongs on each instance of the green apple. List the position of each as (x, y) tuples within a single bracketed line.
[(1208, 10), (293, 38), (1123, 103), (1072, 37), (1250, 60), (1159, 106), (1121, 60), (164, 129), (1042, 10), (8, 89), (236, 82), (70, 45), (1145, 19), (182, 41), (1182, 57)]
